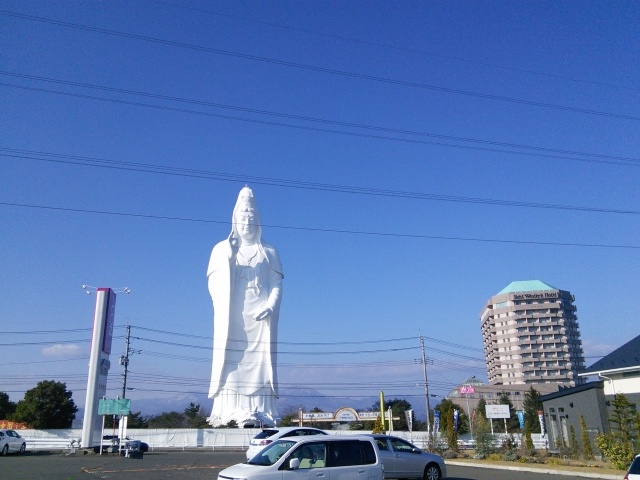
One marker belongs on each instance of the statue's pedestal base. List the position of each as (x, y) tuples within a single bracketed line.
[(243, 420)]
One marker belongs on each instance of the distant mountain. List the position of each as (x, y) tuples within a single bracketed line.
[(289, 398)]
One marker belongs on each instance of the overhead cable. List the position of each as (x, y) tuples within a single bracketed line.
[(318, 120), (326, 230), (397, 48), (316, 68), (324, 130)]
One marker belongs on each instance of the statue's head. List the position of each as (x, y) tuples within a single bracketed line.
[(246, 218)]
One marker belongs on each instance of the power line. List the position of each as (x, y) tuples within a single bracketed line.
[(386, 340), (317, 120), (315, 68), (229, 177), (398, 48), (280, 352), (20, 344), (47, 332), (322, 130), (46, 361), (326, 230)]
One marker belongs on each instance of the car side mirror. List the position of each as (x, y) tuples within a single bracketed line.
[(416, 450), (294, 464)]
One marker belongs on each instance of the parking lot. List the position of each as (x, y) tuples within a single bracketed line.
[(188, 465)]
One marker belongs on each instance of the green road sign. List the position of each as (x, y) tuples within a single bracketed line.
[(108, 406)]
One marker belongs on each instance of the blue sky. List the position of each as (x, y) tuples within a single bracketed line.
[(338, 287)]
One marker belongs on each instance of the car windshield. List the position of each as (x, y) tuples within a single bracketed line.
[(272, 453)]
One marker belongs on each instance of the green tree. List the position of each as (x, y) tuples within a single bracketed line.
[(484, 439), (7, 407), (587, 450), (575, 448), (290, 415), (481, 409), (452, 434), (168, 420), (619, 445), (196, 417), (377, 426), (513, 424), (528, 441), (136, 420), (446, 406), (47, 405), (623, 419), (531, 407)]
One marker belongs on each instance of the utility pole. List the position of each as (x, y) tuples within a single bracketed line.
[(426, 385), (124, 361)]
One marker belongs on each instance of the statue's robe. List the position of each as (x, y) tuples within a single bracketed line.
[(221, 281)]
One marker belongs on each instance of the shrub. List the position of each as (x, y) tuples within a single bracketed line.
[(449, 454), (509, 443), (510, 456), (615, 450)]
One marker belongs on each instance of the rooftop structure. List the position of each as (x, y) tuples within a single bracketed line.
[(530, 336)]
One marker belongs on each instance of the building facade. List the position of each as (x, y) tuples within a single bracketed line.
[(465, 397), (530, 336)]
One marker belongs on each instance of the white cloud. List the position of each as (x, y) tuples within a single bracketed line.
[(596, 348), (63, 350)]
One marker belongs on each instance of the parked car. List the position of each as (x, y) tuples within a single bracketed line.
[(270, 435), (402, 459), (314, 457), (112, 444), (10, 441), (634, 470)]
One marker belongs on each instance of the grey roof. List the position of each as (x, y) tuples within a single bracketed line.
[(628, 355), (564, 391)]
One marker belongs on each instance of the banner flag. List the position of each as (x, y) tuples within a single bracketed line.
[(456, 416), (408, 414), (436, 421), (541, 418), (520, 414)]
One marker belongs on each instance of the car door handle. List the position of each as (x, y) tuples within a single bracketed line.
[(319, 474), (397, 455), (361, 470)]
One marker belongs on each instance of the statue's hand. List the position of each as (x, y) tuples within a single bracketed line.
[(263, 314)]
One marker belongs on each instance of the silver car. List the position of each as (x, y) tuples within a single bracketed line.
[(10, 441), (404, 460), (270, 435)]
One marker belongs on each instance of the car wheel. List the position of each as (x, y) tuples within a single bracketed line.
[(432, 472), (23, 447), (5, 450)]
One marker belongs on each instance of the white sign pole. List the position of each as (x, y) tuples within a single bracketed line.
[(98, 364), (102, 435)]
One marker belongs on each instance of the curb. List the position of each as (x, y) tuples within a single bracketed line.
[(538, 470)]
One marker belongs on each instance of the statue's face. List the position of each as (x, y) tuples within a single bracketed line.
[(246, 224)]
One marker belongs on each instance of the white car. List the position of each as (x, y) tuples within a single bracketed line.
[(401, 459), (318, 457), (634, 470), (10, 441), (270, 435)]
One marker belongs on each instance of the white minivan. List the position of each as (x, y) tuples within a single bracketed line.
[(317, 457)]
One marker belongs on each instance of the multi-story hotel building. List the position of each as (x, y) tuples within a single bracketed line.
[(530, 335)]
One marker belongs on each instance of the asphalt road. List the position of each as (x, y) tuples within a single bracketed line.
[(185, 465)]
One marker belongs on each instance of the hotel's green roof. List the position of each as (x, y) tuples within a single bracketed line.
[(526, 286)]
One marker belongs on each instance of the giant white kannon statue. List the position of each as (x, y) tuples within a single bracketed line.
[(245, 283)]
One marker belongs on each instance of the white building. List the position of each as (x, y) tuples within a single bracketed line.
[(530, 336)]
